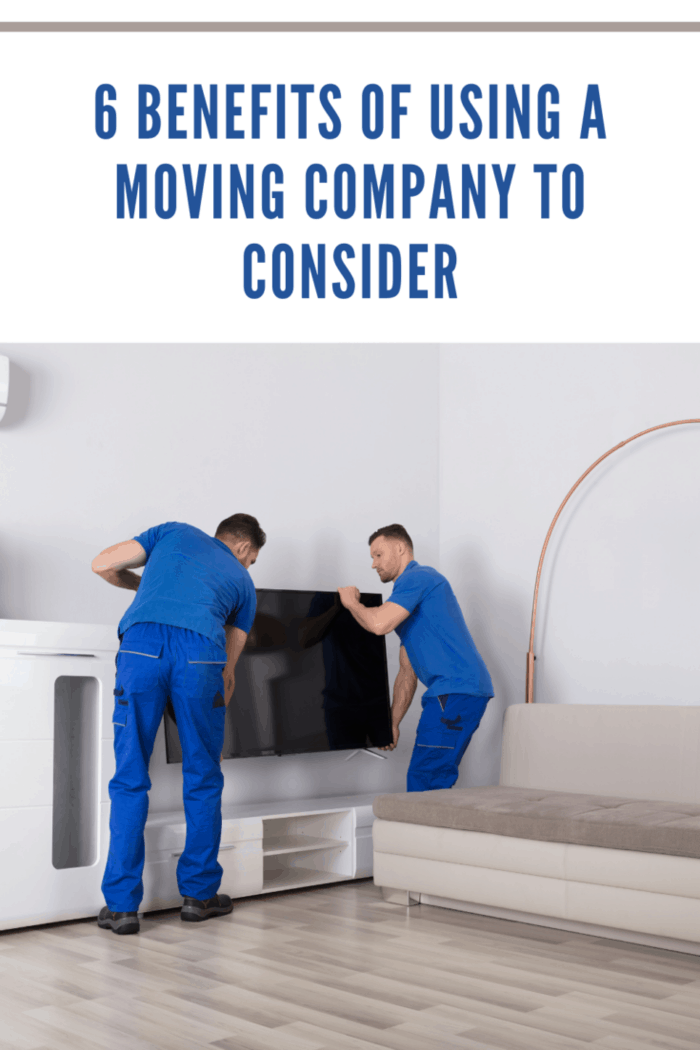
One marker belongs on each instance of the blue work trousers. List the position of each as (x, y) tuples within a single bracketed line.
[(156, 661), (446, 726)]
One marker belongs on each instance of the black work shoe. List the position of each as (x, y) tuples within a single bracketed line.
[(118, 921), (197, 911)]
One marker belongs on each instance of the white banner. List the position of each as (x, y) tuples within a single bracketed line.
[(232, 191)]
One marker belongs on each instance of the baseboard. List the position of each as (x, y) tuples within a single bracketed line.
[(670, 944)]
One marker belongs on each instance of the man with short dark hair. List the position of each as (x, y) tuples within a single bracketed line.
[(436, 648), (180, 639)]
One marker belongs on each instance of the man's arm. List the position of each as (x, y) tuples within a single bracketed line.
[(235, 643), (114, 563), (382, 620), (404, 690)]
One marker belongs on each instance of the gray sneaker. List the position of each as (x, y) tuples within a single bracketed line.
[(197, 911)]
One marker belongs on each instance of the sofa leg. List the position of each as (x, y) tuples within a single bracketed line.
[(405, 897)]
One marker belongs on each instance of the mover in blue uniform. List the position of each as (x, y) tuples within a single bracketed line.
[(180, 639), (436, 648)]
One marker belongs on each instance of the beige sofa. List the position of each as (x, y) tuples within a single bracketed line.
[(594, 827)]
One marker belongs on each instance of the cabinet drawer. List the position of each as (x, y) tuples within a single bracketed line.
[(241, 829), (172, 836), (243, 868), (160, 882)]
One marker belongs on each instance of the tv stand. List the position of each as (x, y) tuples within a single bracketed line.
[(268, 847), (364, 750)]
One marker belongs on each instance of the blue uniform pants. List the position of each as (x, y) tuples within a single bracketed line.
[(156, 661), (446, 726)]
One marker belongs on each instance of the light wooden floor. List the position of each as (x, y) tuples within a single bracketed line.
[(338, 969)]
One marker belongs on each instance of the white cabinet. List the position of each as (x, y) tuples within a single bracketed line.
[(56, 697), (267, 847)]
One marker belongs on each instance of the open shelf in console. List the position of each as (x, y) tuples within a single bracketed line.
[(295, 844), (306, 831), (276, 879), (307, 849), (282, 871)]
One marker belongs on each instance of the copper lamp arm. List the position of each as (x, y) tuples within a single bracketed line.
[(530, 676)]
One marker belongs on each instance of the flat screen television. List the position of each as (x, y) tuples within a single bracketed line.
[(309, 679)]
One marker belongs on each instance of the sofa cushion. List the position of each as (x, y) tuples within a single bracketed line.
[(561, 861), (625, 750), (553, 816)]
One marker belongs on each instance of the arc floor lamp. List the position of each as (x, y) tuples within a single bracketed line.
[(530, 676)]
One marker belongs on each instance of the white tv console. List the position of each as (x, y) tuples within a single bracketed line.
[(268, 847), (56, 761)]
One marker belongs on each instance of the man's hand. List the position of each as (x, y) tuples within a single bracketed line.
[(378, 619), (349, 596), (390, 747)]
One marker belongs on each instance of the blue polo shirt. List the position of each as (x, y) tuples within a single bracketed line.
[(191, 580), (435, 635)]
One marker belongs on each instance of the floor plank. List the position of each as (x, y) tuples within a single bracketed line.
[(338, 968)]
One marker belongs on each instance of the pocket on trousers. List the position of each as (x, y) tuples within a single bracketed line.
[(434, 740), (139, 662), (141, 640), (140, 649), (204, 680), (433, 732), (212, 659), (205, 668), (121, 712), (205, 654)]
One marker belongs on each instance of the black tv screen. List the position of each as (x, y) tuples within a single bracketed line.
[(309, 679)]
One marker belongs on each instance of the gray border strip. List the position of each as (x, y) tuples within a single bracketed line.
[(349, 27)]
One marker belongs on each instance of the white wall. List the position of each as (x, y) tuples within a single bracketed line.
[(322, 444), (619, 615)]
